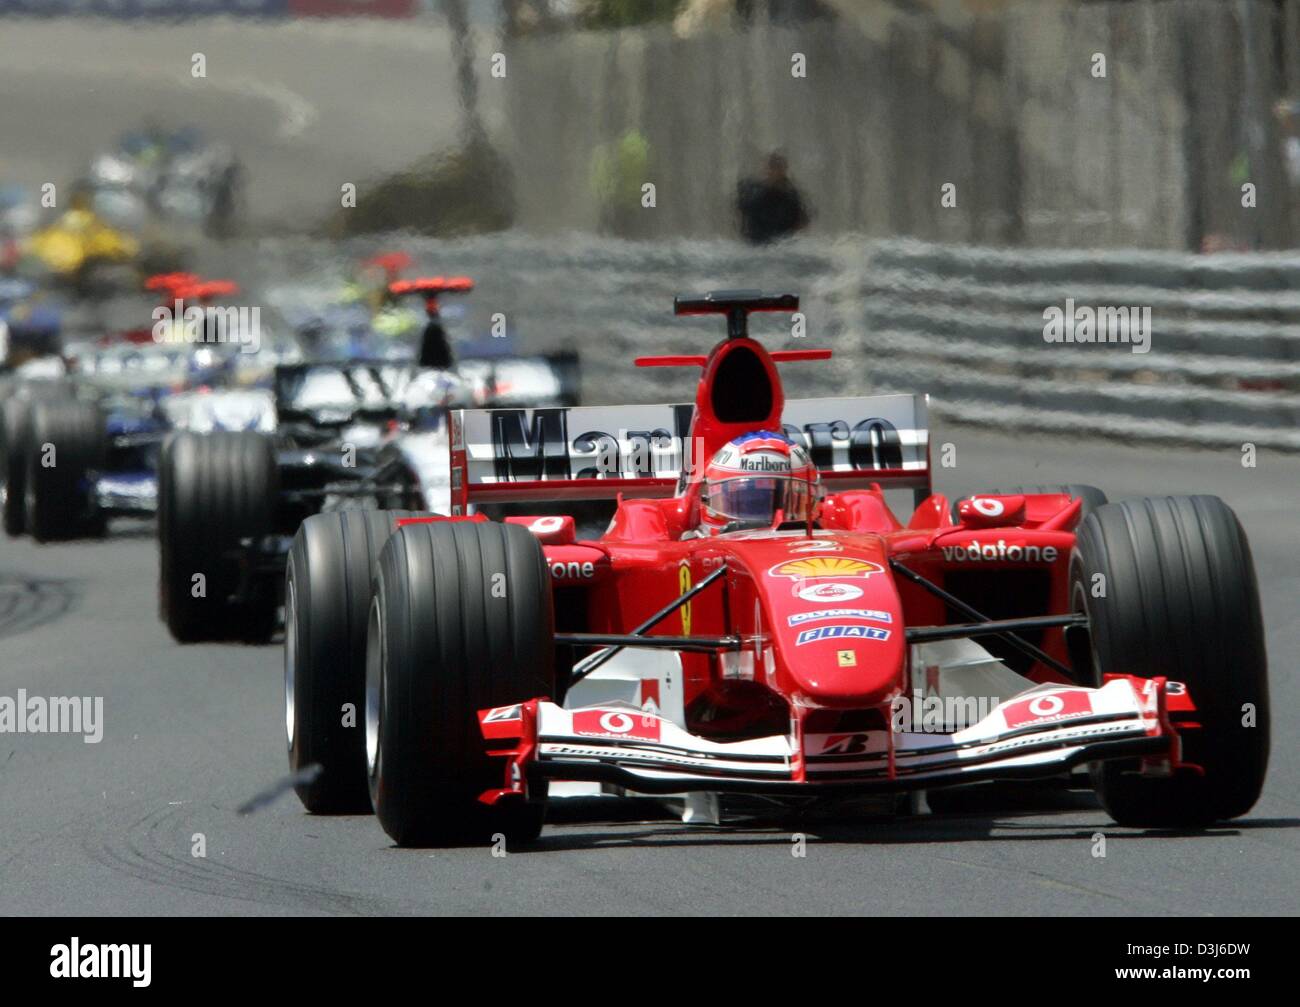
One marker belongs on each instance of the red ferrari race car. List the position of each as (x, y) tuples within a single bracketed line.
[(756, 619)]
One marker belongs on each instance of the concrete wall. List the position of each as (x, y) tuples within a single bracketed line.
[(998, 99)]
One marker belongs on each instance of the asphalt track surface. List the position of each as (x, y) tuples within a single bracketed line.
[(191, 733)]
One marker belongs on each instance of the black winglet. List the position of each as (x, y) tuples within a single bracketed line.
[(736, 305)]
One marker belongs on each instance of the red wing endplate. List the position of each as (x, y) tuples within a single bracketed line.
[(205, 290), (432, 286), (392, 263), (189, 287), (169, 283)]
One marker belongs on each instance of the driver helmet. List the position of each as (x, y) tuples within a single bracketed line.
[(753, 477)]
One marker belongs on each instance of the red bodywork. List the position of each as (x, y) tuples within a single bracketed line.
[(820, 620), (173, 289), (431, 287)]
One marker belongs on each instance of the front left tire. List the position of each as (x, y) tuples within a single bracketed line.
[(1178, 598)]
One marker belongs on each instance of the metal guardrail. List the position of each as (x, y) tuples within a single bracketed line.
[(967, 325), (963, 324)]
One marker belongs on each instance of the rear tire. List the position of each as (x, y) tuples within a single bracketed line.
[(1181, 601), (58, 503), (326, 607), (462, 619), (213, 491), (15, 429), (15, 426)]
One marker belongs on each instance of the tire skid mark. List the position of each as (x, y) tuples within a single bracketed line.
[(141, 850), (1134, 902), (27, 603)]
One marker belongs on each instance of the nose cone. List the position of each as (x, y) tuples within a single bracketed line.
[(836, 622)]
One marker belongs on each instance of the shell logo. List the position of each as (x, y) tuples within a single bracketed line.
[(814, 567)]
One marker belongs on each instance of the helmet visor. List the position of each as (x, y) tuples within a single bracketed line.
[(758, 498)]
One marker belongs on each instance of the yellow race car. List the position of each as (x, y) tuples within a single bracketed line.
[(78, 240)]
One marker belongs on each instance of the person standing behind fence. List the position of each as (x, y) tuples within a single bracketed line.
[(618, 172), (770, 207)]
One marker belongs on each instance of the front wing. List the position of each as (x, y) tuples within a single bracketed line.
[(1042, 732)]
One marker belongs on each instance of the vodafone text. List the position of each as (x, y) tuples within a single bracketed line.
[(999, 551)]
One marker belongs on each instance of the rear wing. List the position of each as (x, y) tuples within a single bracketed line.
[(543, 379), (598, 452)]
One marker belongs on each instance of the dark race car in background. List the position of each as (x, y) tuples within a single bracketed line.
[(175, 176), (348, 434), (31, 326), (80, 439), (370, 317)]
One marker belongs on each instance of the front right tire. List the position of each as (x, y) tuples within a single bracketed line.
[(462, 620)]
